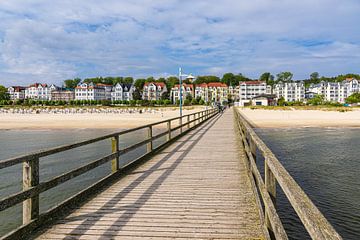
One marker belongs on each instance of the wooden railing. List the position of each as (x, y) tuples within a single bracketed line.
[(313, 220), (32, 187)]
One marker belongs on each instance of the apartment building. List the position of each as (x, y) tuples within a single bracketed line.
[(16, 92), (290, 91), (218, 92), (122, 92), (40, 91), (250, 89), (63, 94), (89, 91), (187, 90), (153, 90)]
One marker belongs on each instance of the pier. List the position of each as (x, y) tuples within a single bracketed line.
[(202, 182)]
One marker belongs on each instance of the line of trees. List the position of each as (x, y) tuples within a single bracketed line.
[(230, 79)]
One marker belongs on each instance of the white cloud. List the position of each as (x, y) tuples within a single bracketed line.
[(50, 41)]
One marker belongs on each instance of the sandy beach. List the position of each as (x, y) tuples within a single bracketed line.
[(86, 120), (301, 118)]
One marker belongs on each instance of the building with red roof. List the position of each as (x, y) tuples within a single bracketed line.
[(16, 92), (153, 91), (250, 89), (39, 91), (187, 90)]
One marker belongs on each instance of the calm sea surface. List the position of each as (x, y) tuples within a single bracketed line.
[(325, 162)]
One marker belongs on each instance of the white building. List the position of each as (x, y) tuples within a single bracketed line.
[(89, 91), (40, 91), (218, 92), (122, 92), (108, 89), (336, 91), (187, 89), (16, 92), (250, 89), (202, 92), (290, 91), (153, 90)]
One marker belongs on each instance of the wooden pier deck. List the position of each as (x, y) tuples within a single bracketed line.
[(198, 187)]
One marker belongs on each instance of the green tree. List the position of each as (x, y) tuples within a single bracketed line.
[(281, 101), (206, 79), (171, 81), (4, 95), (72, 83), (165, 95), (353, 98), (136, 94), (188, 97), (128, 80), (267, 77), (139, 83), (314, 76), (194, 101), (284, 76), (317, 100), (229, 79)]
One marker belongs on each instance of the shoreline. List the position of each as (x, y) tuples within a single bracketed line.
[(16, 121), (262, 118)]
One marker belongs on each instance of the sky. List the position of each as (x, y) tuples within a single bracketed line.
[(50, 41)]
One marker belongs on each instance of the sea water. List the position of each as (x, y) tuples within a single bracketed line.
[(325, 162)]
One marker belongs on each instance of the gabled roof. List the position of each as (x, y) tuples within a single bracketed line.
[(158, 84), (254, 82), (184, 85), (38, 84), (217, 84), (18, 88), (103, 85), (202, 85), (127, 86)]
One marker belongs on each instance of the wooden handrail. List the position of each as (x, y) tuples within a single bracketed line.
[(32, 187), (313, 220)]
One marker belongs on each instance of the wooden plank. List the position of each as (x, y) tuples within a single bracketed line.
[(314, 221), (192, 189), (30, 180), (115, 148)]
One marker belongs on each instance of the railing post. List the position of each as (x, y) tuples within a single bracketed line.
[(188, 121), (180, 122), (270, 184), (169, 131), (252, 146), (115, 148), (149, 146), (30, 179)]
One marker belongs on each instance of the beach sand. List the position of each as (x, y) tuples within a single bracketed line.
[(86, 120), (301, 118)]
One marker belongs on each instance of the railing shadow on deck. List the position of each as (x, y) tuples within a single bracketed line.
[(32, 188), (129, 211), (313, 220)]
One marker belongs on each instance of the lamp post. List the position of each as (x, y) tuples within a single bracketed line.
[(189, 77), (180, 81)]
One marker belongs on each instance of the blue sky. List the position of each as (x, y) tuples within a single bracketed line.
[(49, 41)]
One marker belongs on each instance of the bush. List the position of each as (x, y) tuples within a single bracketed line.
[(201, 102), (187, 102), (194, 101), (167, 102), (132, 102)]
